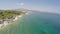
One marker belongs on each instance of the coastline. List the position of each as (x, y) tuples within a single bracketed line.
[(6, 23), (15, 19)]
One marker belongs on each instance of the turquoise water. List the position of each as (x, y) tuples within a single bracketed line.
[(35, 23)]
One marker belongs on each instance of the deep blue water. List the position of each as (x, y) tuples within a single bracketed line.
[(36, 23)]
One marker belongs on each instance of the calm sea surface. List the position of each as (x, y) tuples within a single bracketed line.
[(35, 23)]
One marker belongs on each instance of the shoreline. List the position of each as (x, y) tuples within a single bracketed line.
[(5, 23)]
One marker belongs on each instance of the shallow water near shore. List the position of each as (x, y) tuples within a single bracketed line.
[(35, 23)]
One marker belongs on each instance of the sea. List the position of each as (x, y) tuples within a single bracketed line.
[(34, 23)]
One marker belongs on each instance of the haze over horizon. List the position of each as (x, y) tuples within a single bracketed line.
[(42, 5)]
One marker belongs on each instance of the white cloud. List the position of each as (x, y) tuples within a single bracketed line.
[(20, 4)]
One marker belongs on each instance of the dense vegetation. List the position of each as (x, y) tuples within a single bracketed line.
[(9, 13)]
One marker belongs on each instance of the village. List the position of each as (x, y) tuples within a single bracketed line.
[(4, 21)]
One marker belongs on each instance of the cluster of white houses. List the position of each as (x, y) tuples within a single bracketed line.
[(4, 22), (7, 19)]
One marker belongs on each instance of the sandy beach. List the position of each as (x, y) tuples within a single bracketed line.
[(17, 17)]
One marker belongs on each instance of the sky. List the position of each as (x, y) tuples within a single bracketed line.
[(42, 5)]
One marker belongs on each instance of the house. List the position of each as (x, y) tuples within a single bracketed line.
[(1, 21)]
